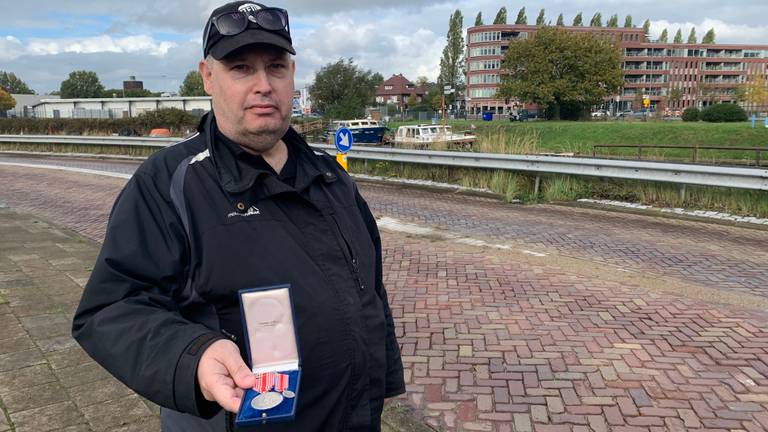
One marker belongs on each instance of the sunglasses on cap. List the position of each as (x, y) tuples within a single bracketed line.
[(232, 23)]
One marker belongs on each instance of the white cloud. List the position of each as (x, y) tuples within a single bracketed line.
[(97, 44), (724, 32), (10, 48)]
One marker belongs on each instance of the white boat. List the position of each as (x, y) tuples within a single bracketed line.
[(423, 136)]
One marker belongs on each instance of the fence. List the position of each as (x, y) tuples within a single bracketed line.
[(682, 174)]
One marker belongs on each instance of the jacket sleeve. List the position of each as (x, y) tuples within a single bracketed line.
[(127, 319), (395, 384)]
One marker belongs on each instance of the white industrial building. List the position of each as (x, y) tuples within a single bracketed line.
[(117, 107)]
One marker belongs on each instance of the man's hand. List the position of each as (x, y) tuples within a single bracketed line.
[(223, 375)]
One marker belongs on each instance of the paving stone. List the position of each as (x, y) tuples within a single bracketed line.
[(19, 379), (501, 335), (20, 359), (34, 397), (116, 413), (98, 391), (48, 418)]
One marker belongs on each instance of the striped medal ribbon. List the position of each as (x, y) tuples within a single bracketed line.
[(264, 382), (281, 382)]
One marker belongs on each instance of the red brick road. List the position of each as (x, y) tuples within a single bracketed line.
[(497, 340)]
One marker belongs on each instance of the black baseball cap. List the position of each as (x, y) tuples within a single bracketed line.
[(219, 45)]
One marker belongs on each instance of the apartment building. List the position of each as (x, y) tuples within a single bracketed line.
[(704, 74)]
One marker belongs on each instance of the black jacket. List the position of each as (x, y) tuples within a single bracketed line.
[(193, 226)]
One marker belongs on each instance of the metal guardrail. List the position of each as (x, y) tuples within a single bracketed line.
[(682, 174), (694, 149)]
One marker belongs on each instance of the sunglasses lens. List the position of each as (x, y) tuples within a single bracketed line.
[(271, 19), (231, 23)]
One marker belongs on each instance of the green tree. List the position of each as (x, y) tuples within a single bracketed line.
[(628, 21), (647, 28), (479, 19), (664, 36), (501, 16), (192, 85), (613, 21), (521, 18), (692, 36), (558, 68), (6, 102), (108, 93), (678, 37), (540, 18), (597, 20), (12, 84), (343, 90), (578, 20), (452, 61), (709, 37), (81, 84), (560, 21)]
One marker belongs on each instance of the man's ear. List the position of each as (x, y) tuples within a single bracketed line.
[(204, 68)]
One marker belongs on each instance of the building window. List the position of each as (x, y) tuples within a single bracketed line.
[(484, 65), (485, 36), (487, 92), (387, 87), (485, 51), (484, 79)]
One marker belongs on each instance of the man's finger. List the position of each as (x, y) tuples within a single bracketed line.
[(239, 372), (226, 397)]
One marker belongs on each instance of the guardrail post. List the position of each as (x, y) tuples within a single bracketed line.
[(536, 186), (757, 157), (639, 152), (681, 189), (695, 154)]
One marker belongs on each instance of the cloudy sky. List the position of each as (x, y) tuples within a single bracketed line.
[(159, 42)]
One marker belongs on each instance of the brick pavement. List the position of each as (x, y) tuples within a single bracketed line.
[(492, 340)]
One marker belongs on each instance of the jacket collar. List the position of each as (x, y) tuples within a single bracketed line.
[(236, 177)]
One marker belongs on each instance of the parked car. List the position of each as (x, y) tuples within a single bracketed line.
[(600, 114), (625, 113)]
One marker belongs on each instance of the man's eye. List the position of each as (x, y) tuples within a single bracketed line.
[(240, 67), (277, 66)]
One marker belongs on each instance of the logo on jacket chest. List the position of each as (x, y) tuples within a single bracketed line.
[(252, 211)]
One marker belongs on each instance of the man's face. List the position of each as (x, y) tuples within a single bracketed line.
[(252, 91)]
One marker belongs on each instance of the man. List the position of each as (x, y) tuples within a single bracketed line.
[(245, 203)]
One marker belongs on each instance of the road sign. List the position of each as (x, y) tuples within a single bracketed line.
[(343, 139)]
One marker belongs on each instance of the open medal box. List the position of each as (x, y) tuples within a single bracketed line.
[(272, 347)]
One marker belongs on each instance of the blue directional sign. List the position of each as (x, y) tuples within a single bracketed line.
[(343, 140)]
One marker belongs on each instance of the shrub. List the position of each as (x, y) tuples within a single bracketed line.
[(691, 114), (723, 113)]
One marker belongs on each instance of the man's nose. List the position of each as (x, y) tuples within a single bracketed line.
[(261, 82)]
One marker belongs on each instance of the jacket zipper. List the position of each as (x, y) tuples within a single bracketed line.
[(351, 259)]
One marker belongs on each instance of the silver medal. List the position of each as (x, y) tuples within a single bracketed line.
[(267, 400), (289, 394)]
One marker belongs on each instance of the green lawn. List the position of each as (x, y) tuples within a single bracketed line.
[(578, 137)]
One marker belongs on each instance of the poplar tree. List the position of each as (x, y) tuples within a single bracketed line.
[(628, 21), (597, 20), (452, 62), (692, 36), (664, 36), (540, 18), (678, 36), (479, 19), (709, 37), (578, 21), (560, 21), (501, 16), (521, 18), (613, 21)]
